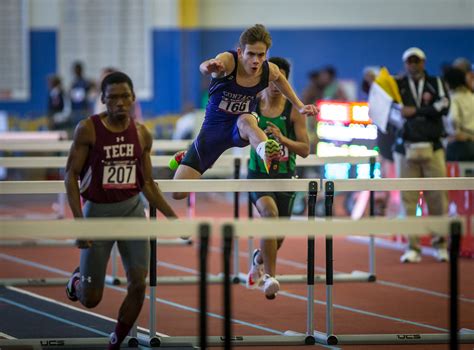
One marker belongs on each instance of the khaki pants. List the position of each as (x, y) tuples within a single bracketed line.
[(437, 201)]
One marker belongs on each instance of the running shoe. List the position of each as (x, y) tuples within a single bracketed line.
[(71, 285), (411, 256), (255, 275), (113, 341), (176, 160), (270, 286), (272, 157)]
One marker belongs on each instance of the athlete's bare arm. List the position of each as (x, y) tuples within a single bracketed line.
[(150, 189), (284, 86), (219, 66), (84, 138)]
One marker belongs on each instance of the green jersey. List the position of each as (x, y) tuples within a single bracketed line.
[(287, 159)]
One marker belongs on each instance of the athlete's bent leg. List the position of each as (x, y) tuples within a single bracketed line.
[(267, 208), (249, 130), (185, 172)]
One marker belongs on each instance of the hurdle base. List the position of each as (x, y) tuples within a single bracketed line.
[(253, 340), (464, 337), (69, 343), (354, 276)]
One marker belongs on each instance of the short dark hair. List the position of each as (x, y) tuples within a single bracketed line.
[(455, 78), (282, 63), (116, 78), (252, 35), (330, 70)]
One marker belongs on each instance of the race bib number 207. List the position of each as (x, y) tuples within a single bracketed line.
[(119, 176)]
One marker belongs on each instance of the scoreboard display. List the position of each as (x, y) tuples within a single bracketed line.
[(345, 129)]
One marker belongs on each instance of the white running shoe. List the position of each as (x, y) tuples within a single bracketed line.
[(270, 286), (255, 275), (441, 254), (411, 256)]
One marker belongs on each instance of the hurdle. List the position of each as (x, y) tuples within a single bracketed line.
[(354, 276), (329, 337), (48, 187), (48, 145), (326, 227), (133, 340)]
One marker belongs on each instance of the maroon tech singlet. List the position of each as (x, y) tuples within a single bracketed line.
[(113, 170)]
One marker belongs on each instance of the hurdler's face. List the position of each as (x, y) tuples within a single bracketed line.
[(119, 99), (253, 56)]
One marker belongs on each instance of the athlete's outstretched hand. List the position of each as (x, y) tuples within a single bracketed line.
[(309, 111), (214, 66)]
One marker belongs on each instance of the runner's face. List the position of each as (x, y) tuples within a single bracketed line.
[(119, 100), (253, 57)]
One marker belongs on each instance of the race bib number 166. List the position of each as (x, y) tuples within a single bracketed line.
[(235, 107)]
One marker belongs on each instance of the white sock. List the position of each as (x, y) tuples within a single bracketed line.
[(261, 149)]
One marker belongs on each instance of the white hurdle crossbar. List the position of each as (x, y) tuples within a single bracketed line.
[(120, 228), (22, 145), (35, 187)]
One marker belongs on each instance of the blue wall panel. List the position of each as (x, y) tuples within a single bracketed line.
[(42, 63), (178, 53), (166, 62), (351, 50)]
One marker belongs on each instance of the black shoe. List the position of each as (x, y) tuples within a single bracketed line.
[(71, 287)]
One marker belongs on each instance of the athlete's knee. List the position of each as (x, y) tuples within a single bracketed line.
[(246, 119), (90, 298), (137, 284), (137, 289)]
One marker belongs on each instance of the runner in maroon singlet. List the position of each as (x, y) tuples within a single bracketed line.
[(110, 154)]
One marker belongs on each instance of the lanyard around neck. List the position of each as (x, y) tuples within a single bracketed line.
[(417, 94)]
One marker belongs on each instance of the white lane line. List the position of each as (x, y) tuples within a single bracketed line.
[(6, 336), (121, 289), (290, 295), (355, 310), (71, 307), (302, 266), (53, 317)]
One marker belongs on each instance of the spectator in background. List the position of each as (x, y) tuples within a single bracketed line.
[(385, 142), (79, 95), (188, 125), (418, 151), (314, 90), (461, 117), (312, 93), (332, 88), (100, 107), (465, 65), (56, 104)]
